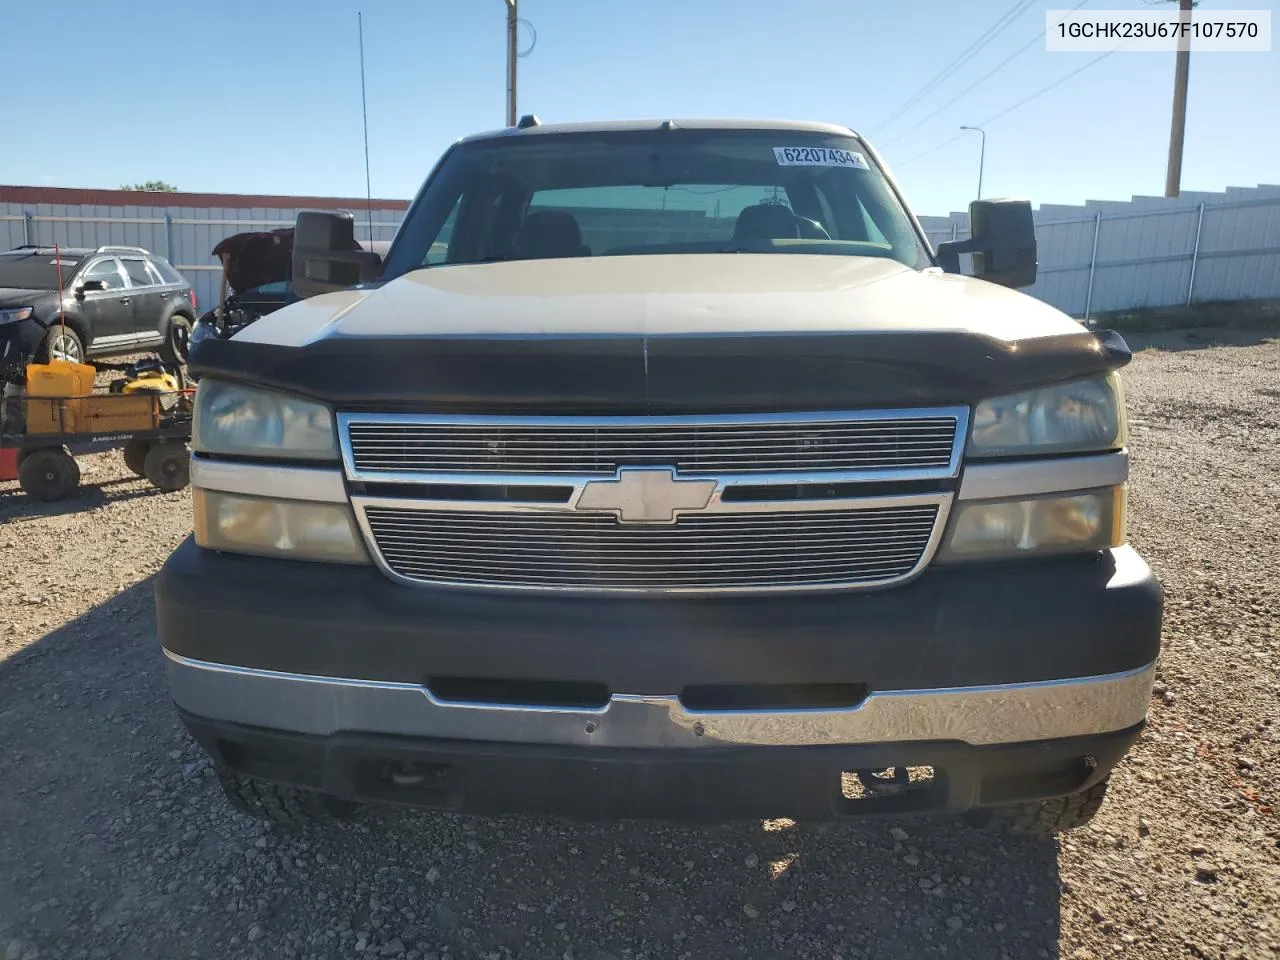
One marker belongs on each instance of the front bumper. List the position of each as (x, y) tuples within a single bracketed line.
[(979, 716), (1009, 683), (716, 784), (951, 627)]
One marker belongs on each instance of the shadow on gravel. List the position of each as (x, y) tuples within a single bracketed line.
[(115, 842), (17, 507)]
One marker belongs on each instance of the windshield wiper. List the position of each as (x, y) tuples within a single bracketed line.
[(500, 258)]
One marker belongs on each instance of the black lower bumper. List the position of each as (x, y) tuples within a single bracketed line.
[(699, 785), (951, 627)]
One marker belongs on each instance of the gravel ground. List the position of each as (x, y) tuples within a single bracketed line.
[(114, 841)]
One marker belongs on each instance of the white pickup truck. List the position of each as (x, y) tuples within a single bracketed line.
[(663, 470)]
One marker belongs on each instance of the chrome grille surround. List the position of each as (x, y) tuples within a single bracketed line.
[(500, 538)]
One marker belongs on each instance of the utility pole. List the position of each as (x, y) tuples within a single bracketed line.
[(982, 156), (1173, 176), (513, 25), (364, 112)]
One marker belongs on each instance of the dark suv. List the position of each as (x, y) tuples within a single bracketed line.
[(114, 300)]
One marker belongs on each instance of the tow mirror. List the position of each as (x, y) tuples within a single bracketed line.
[(326, 256), (1002, 241)]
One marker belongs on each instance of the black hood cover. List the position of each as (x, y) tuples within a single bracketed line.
[(660, 375)]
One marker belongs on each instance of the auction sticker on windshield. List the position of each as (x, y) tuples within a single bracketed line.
[(819, 157)]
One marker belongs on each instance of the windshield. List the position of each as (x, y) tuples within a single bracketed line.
[(35, 270), (661, 191)]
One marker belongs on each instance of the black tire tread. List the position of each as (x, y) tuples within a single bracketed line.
[(158, 456), (278, 803), (32, 471), (1046, 818), (167, 352), (42, 352), (135, 456)]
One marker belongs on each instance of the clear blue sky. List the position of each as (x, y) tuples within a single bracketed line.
[(263, 96)]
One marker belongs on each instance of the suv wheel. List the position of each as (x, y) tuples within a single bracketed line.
[(177, 340), (62, 343), (1045, 818), (277, 803)]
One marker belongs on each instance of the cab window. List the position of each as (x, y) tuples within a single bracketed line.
[(108, 271)]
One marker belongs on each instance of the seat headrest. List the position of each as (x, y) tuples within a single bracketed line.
[(550, 233), (766, 221)]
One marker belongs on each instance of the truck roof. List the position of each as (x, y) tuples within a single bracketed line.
[(615, 126)]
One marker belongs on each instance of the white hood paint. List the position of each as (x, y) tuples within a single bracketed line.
[(666, 295)]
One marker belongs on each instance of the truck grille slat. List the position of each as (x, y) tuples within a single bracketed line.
[(578, 447), (716, 551)]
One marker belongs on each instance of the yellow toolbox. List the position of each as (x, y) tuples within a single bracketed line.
[(54, 396), (60, 400)]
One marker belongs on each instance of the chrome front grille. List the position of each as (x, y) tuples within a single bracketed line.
[(747, 550), (756, 503), (567, 446)]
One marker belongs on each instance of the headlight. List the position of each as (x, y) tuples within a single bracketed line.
[(1077, 522), (1064, 418), (246, 421), (277, 528), (13, 316)]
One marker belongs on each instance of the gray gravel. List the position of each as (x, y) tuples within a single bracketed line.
[(114, 841)]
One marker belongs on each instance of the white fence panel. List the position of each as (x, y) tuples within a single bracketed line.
[(1112, 255)]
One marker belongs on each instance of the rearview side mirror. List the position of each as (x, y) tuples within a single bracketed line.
[(90, 286), (1002, 240), (326, 256)]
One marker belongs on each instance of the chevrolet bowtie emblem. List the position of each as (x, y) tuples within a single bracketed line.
[(646, 495)]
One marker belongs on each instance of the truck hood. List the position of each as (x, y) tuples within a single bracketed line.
[(662, 334), (655, 296)]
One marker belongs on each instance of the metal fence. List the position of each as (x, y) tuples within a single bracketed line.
[(1104, 256), (1151, 252), (182, 235)]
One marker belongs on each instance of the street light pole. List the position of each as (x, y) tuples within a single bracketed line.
[(513, 26), (982, 156)]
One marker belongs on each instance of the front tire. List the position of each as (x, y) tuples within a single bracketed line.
[(278, 803), (177, 341), (61, 343)]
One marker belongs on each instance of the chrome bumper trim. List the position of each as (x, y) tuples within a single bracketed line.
[(1012, 479), (1007, 713), (276, 482)]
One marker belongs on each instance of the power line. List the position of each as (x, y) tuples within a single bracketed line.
[(931, 150), (960, 60), (1044, 90), (1007, 110), (994, 70)]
